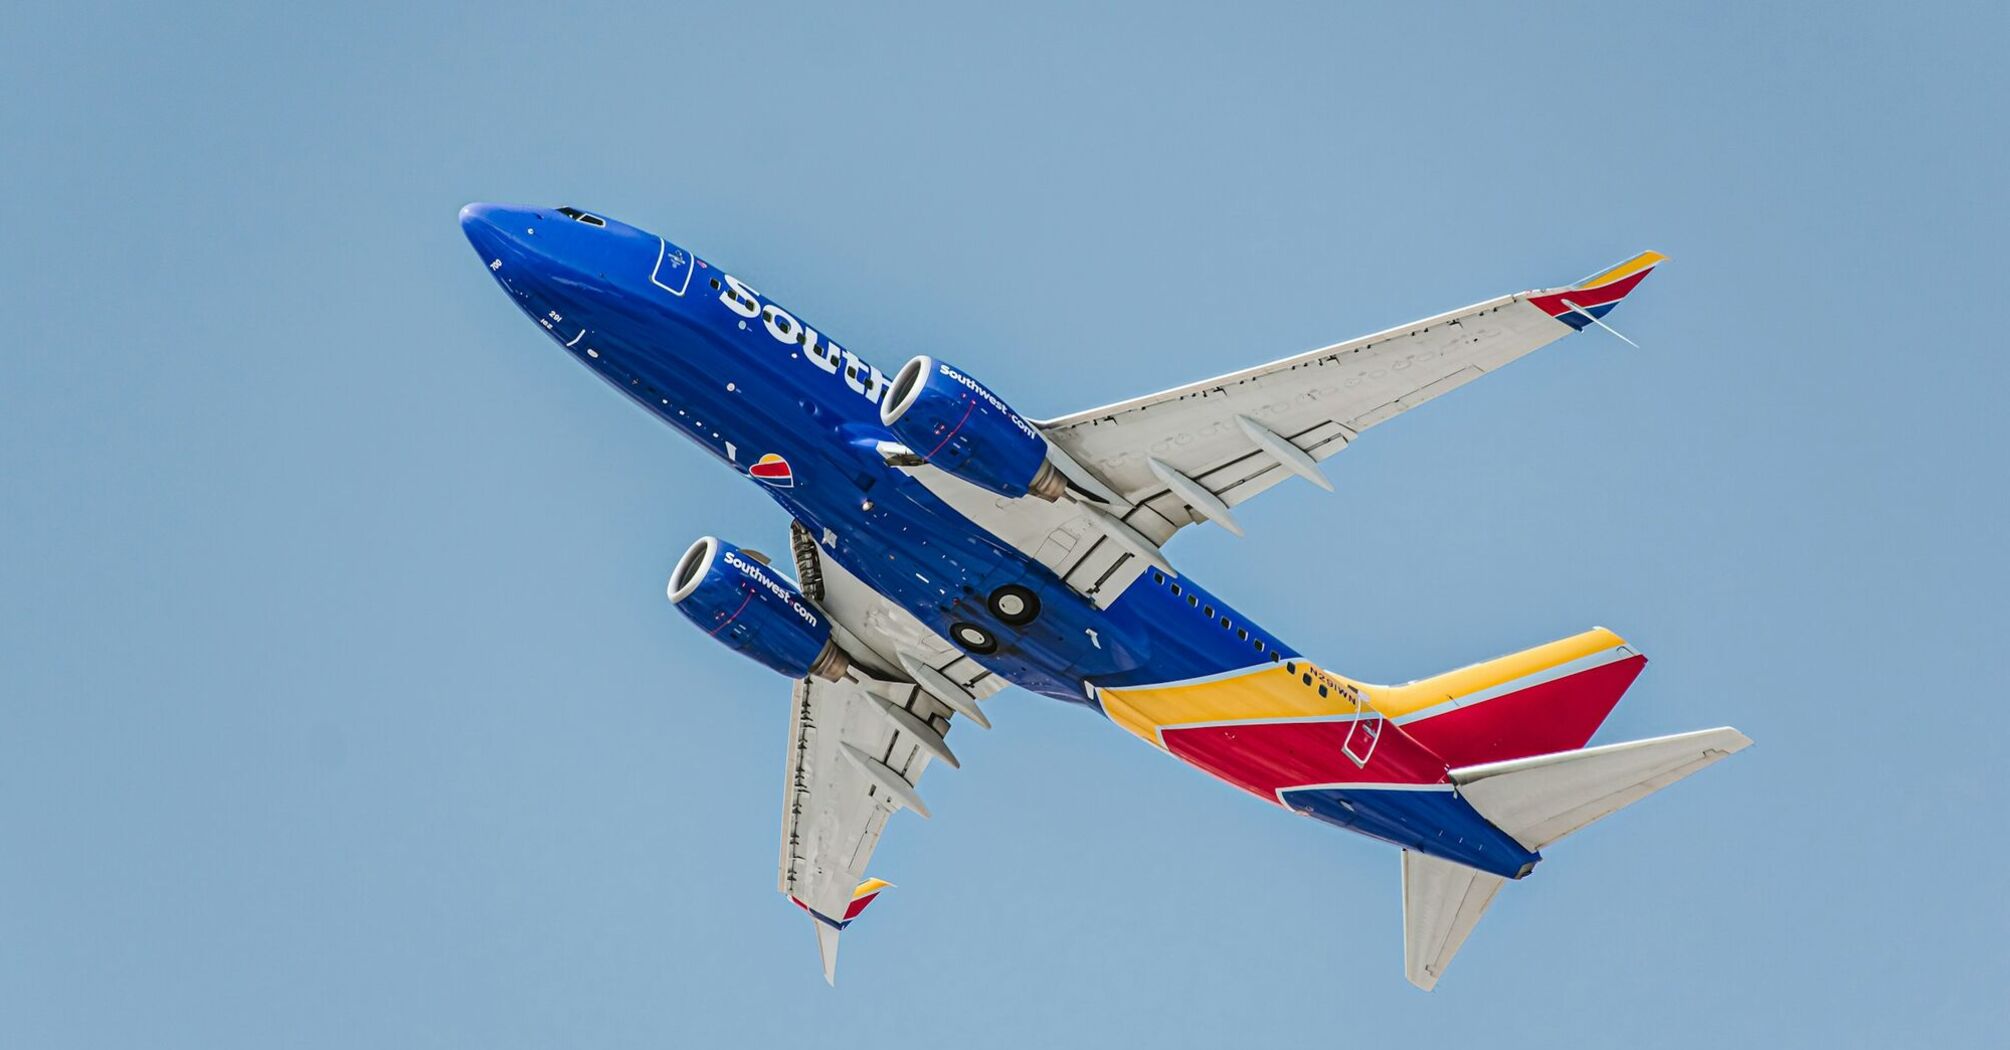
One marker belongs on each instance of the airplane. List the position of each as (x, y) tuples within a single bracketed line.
[(945, 545)]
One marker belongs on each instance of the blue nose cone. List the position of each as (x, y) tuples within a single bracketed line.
[(480, 222)]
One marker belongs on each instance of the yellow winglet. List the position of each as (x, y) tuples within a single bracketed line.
[(1643, 261)]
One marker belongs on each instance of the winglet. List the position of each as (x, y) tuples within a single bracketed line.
[(867, 892), (1595, 296), (827, 949), (828, 928)]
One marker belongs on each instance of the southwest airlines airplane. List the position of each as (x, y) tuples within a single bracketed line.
[(945, 545)]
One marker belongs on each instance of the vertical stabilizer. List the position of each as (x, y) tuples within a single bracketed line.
[(1535, 702)]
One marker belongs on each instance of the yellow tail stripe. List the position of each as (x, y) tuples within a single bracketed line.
[(1271, 692), (1275, 692), (1396, 701)]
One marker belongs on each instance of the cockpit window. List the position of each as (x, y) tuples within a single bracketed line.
[(579, 216)]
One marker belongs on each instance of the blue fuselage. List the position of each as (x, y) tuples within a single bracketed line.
[(777, 400), (675, 335)]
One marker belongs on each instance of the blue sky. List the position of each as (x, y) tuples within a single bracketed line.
[(340, 704)]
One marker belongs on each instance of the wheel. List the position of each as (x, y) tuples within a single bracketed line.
[(1014, 604), (972, 637)]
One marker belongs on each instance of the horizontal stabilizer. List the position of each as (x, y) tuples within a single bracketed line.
[(1541, 799), (1442, 901)]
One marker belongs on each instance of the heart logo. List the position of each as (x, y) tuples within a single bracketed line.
[(773, 470)]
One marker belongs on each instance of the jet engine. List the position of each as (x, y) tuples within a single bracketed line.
[(951, 422), (734, 597)]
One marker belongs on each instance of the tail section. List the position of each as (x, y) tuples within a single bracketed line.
[(1538, 701), (1539, 800), (1442, 902), (1536, 801)]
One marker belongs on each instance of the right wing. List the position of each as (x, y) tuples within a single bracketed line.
[(1195, 451)]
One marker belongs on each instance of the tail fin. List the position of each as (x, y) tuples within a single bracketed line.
[(1534, 702), (1536, 801)]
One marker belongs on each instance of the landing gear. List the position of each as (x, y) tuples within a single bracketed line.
[(974, 638), (1014, 605)]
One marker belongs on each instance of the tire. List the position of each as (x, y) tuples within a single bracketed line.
[(972, 637), (1014, 605)]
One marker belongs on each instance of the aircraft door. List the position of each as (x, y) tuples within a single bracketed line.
[(1364, 731)]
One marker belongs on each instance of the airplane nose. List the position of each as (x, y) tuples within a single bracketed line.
[(477, 222)]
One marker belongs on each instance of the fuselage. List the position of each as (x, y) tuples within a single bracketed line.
[(776, 399)]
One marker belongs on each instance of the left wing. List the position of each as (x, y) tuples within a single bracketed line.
[(858, 746), (849, 767), (1196, 451)]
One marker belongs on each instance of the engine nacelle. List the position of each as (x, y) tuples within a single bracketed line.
[(951, 422), (738, 600)]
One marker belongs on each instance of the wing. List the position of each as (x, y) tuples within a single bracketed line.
[(850, 765), (1198, 450), (858, 746)]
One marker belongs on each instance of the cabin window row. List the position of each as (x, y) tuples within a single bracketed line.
[(1193, 601)]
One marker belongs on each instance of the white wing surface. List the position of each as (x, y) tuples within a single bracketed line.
[(858, 746), (1197, 451)]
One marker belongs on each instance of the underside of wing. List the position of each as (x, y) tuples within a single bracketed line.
[(858, 746), (1195, 452)]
